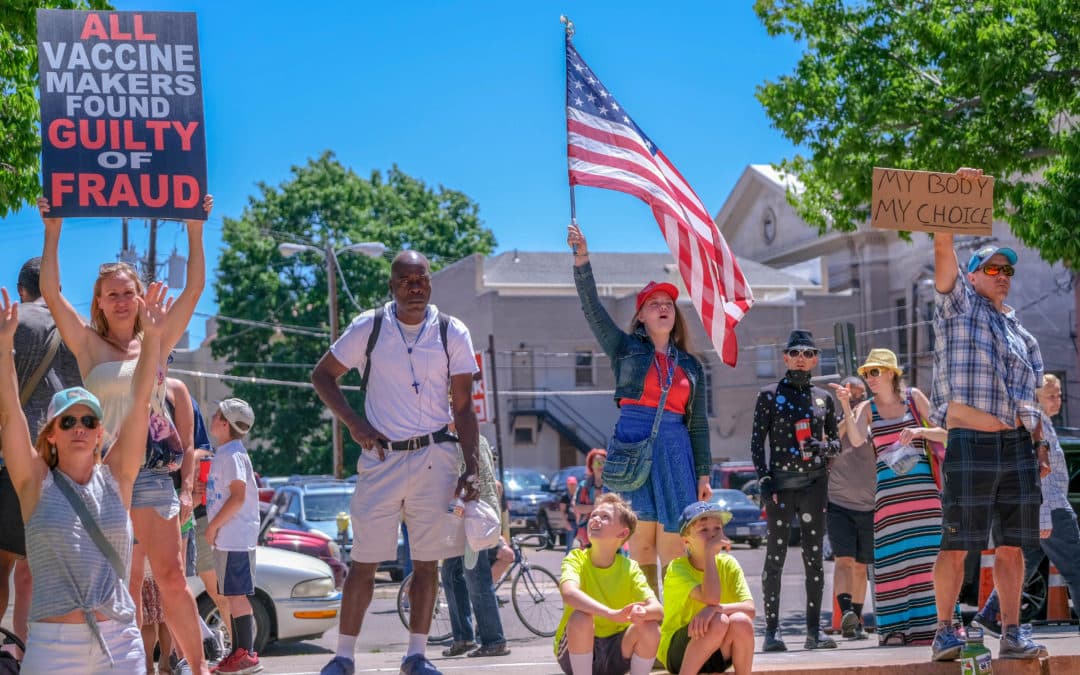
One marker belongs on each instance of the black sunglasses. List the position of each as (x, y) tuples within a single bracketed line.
[(68, 422), (805, 353)]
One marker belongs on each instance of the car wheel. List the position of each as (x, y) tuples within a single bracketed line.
[(543, 526), (1033, 598), (754, 542), (263, 626)]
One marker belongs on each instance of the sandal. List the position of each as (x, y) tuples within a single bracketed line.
[(894, 640)]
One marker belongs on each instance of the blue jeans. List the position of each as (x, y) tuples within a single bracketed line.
[(1063, 549), (464, 587)]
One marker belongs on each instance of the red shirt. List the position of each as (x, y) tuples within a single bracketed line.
[(678, 396)]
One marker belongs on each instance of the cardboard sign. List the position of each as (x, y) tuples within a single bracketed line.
[(926, 201), (479, 390), (121, 114)]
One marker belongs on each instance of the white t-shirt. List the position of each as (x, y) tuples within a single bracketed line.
[(231, 463), (393, 405)]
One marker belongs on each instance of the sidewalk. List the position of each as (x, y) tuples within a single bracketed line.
[(534, 657)]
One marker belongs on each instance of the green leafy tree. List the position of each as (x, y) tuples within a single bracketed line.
[(323, 203), (934, 85), (20, 116)]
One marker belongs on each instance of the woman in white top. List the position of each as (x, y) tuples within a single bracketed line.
[(106, 349), (82, 615)]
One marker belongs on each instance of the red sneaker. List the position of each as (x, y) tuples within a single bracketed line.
[(239, 662)]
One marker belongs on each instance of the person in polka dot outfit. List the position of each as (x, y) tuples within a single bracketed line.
[(799, 421)]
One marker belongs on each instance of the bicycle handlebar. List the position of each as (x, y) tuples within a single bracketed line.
[(540, 537)]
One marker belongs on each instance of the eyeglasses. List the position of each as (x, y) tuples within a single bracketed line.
[(68, 422), (805, 353), (991, 270), (873, 372)]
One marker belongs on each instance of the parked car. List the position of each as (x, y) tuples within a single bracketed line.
[(295, 598), (313, 543), (550, 519), (732, 475), (525, 490), (747, 524), (314, 505)]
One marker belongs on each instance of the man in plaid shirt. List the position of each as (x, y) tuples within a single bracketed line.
[(986, 369)]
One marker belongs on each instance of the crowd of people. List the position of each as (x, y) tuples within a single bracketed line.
[(905, 484)]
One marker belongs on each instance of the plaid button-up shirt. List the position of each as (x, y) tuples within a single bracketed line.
[(1055, 487), (983, 358)]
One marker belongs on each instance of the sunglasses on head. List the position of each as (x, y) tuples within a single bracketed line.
[(68, 422), (991, 270), (805, 353)]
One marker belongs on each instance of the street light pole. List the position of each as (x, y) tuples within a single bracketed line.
[(335, 423)]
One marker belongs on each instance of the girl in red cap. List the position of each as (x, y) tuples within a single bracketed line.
[(652, 363)]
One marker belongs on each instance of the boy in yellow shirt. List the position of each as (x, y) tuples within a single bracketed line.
[(708, 610), (611, 619)]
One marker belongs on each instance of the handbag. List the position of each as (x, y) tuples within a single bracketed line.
[(935, 452), (9, 665), (628, 465)]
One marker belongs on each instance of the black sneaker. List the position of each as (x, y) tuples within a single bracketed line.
[(773, 643), (459, 648), (849, 624), (819, 641), (990, 624)]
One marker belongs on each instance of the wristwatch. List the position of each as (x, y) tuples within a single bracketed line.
[(1042, 443)]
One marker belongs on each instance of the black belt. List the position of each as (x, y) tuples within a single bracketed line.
[(417, 442)]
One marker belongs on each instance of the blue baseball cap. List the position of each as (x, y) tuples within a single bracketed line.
[(699, 510), (65, 398), (979, 258)]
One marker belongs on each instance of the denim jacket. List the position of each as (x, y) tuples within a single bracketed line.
[(631, 357)]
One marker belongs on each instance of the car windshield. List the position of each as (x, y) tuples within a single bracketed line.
[(525, 480), (730, 497), (326, 505)]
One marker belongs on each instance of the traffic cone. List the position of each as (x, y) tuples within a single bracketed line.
[(1057, 597), (986, 576), (835, 615)]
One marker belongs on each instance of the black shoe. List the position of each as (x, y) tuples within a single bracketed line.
[(491, 650), (458, 648), (819, 641), (990, 624), (773, 643)]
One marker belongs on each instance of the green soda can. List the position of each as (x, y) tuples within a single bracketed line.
[(975, 658)]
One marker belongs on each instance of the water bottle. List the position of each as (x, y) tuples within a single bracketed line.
[(975, 659), (455, 520)]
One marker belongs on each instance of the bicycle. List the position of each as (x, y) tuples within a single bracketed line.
[(534, 593)]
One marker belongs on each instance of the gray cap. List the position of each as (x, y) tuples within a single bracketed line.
[(238, 414)]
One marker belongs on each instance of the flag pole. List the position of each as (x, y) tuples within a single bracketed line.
[(565, 20)]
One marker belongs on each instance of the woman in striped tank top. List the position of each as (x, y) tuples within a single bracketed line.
[(907, 515)]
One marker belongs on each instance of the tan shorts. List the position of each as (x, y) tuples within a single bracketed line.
[(414, 486), (204, 557)]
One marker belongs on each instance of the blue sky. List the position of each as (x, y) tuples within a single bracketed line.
[(467, 95)]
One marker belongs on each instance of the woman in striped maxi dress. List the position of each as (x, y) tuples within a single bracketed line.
[(907, 516)]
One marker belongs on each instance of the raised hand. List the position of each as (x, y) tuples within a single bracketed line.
[(154, 306), (9, 316), (842, 393), (576, 240), (43, 209), (208, 206)]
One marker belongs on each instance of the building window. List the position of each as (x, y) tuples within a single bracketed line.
[(766, 361), (708, 389), (524, 436), (584, 372), (902, 329)]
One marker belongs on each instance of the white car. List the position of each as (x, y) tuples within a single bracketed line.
[(295, 598)]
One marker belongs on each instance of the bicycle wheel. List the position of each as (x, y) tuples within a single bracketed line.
[(537, 600), (440, 617)]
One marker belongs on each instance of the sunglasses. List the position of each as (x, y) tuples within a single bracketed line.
[(873, 372), (805, 353), (68, 422), (994, 270)]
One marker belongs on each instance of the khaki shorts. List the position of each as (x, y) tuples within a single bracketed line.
[(411, 485), (204, 557)]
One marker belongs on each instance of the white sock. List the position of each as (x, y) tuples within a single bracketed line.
[(417, 643), (581, 664), (639, 665), (204, 629), (346, 645)]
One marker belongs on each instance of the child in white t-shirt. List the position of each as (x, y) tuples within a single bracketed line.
[(232, 507)]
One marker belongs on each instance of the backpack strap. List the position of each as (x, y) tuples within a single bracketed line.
[(444, 326), (53, 346), (376, 326)]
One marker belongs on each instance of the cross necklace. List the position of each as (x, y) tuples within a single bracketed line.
[(420, 334)]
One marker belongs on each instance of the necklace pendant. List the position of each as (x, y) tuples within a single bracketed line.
[(416, 386), (410, 349)]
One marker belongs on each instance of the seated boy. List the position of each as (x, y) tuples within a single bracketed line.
[(611, 620), (708, 610)]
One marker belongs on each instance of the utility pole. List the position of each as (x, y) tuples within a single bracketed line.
[(150, 268), (335, 424), (495, 400), (124, 237)]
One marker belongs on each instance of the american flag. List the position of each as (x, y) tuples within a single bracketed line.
[(606, 149)]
